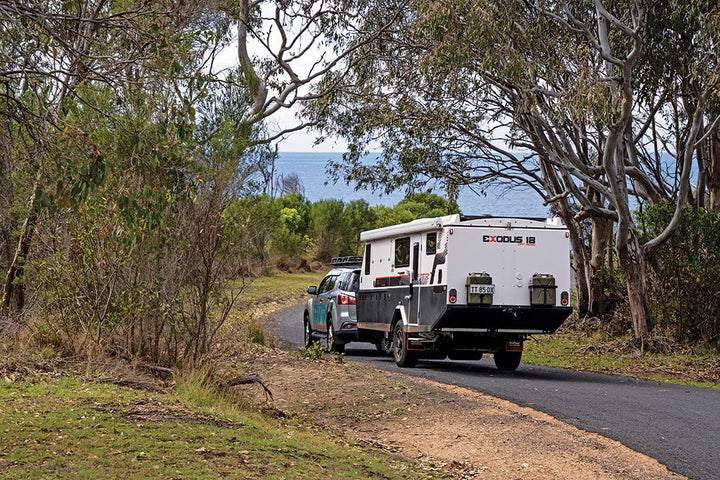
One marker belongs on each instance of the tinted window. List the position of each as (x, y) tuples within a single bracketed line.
[(431, 243), (327, 284), (416, 260), (341, 281), (323, 284), (402, 252), (354, 282)]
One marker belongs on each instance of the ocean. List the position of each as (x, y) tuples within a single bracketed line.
[(310, 168)]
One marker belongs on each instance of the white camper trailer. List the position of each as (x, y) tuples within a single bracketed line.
[(463, 286)]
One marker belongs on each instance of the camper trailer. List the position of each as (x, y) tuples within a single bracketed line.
[(460, 287)]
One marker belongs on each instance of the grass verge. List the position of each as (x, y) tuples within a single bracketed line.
[(596, 352), (64, 427), (260, 297)]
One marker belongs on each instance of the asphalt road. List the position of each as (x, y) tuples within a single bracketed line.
[(677, 425)]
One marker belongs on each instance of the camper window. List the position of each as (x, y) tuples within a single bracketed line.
[(402, 252), (431, 243), (367, 259)]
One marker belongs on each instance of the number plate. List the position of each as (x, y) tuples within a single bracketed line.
[(482, 289)]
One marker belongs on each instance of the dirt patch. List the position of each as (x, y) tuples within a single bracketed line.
[(152, 410), (464, 433)]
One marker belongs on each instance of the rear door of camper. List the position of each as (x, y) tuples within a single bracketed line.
[(510, 257)]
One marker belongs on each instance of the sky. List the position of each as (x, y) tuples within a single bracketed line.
[(301, 141)]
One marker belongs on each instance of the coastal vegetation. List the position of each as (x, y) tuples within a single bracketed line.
[(139, 200), (140, 195), (139, 191)]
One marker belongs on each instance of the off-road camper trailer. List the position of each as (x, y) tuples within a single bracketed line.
[(460, 286)]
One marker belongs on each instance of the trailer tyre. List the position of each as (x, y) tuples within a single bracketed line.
[(403, 357), (307, 330), (507, 361)]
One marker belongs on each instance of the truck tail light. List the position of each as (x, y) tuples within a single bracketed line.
[(453, 295), (345, 299), (564, 299)]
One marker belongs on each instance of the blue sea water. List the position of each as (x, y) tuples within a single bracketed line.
[(310, 167)]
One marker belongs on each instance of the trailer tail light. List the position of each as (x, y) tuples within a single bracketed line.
[(345, 299), (453, 295), (564, 299)]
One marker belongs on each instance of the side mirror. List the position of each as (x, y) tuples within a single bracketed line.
[(312, 290)]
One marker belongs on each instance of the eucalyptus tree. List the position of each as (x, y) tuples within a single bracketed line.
[(54, 58), (457, 88), (287, 49)]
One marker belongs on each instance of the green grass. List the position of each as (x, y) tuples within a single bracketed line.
[(283, 288), (260, 297), (66, 428), (618, 356)]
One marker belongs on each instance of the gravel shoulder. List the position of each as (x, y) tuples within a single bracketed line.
[(465, 433)]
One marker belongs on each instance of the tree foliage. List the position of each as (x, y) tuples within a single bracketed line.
[(597, 106), (683, 282)]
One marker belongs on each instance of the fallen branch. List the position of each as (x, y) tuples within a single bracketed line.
[(162, 371), (247, 379)]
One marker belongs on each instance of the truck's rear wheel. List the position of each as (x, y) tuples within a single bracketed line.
[(507, 361), (403, 358), (332, 343)]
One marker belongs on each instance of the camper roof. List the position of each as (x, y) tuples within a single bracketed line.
[(427, 224)]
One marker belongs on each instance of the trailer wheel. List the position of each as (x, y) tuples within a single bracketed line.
[(332, 343), (507, 361), (307, 330), (403, 358)]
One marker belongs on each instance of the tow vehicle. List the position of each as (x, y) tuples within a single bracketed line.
[(329, 314)]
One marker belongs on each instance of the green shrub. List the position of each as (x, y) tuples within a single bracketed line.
[(683, 280), (314, 351)]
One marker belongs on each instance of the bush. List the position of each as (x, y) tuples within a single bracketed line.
[(314, 351), (684, 279)]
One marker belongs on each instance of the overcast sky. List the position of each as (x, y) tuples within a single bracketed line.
[(302, 141)]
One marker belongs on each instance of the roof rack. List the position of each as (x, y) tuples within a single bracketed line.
[(484, 217), (349, 261)]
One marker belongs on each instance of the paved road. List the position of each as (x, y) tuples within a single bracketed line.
[(679, 426)]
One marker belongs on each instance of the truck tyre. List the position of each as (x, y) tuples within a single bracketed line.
[(332, 343), (307, 331), (507, 361), (403, 358)]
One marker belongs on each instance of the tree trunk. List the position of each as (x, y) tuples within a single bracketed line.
[(713, 169), (601, 232), (632, 261), (581, 286), (13, 296), (579, 260)]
